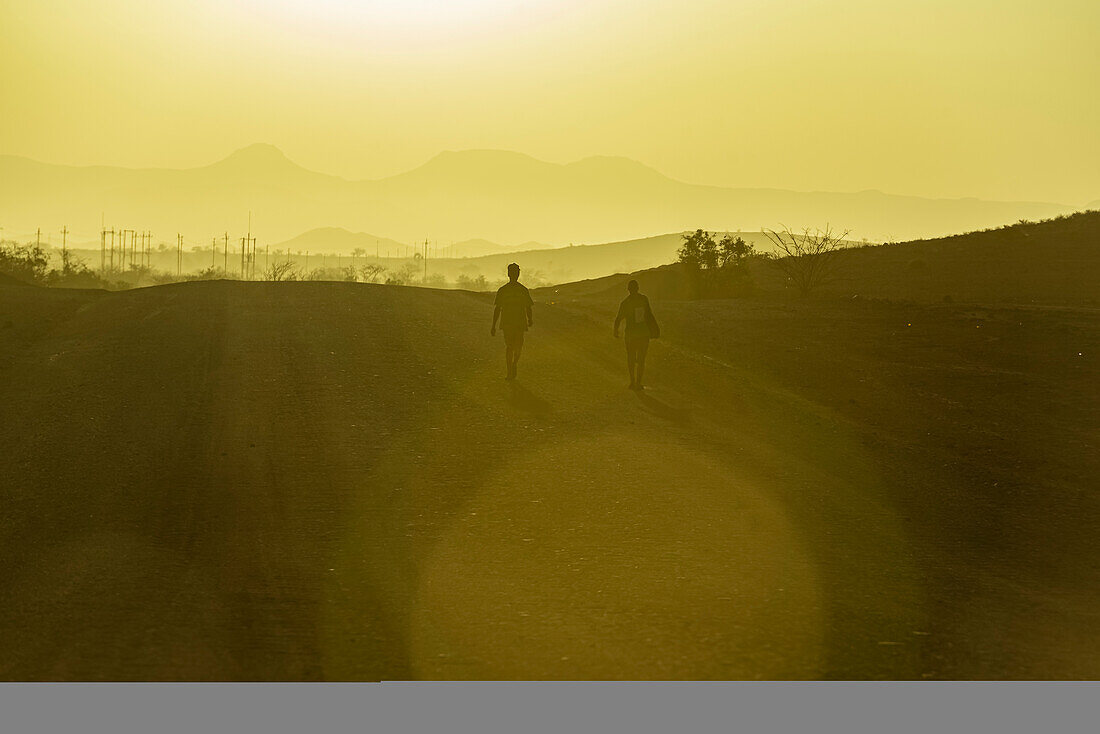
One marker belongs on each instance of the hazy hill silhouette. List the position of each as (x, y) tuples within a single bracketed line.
[(341, 241), (501, 196)]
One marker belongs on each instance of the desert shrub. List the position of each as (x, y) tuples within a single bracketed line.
[(341, 274), (536, 279), (371, 272), (470, 283), (28, 263), (806, 259), (210, 273), (716, 269), (31, 264), (405, 276), (75, 273), (280, 270), (161, 277)]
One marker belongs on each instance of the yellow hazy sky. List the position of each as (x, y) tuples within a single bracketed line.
[(987, 98)]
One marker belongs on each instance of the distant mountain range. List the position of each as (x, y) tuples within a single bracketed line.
[(456, 196), (340, 240)]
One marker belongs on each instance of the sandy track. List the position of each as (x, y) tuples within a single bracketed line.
[(332, 481)]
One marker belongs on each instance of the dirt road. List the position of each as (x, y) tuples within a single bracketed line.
[(246, 481)]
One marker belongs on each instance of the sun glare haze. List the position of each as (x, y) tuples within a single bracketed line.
[(549, 340)]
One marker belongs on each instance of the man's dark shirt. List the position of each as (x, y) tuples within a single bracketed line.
[(514, 300), (635, 312)]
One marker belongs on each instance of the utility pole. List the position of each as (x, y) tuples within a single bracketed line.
[(179, 254), (248, 251), (64, 238), (38, 238), (125, 232), (225, 257), (102, 249), (213, 250)]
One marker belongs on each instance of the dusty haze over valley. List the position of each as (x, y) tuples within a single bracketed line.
[(667, 340)]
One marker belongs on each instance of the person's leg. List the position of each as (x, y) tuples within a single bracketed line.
[(515, 346), (642, 347), (508, 357), (631, 359)]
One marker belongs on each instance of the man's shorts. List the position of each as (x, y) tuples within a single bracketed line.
[(513, 338), (636, 343)]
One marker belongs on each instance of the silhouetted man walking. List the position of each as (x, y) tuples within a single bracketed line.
[(513, 308), (640, 327)]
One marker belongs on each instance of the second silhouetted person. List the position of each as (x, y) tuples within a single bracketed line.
[(513, 308), (641, 326)]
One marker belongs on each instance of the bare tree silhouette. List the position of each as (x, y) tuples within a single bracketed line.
[(371, 272), (276, 271), (807, 259)]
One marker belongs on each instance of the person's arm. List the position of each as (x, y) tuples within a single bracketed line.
[(619, 319), (530, 315), (496, 315)]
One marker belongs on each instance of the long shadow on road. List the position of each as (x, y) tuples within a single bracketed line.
[(523, 399), (655, 407)]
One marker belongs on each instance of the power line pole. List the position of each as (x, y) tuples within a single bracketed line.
[(248, 251), (130, 251), (179, 254)]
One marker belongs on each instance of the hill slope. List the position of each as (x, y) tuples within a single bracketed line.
[(330, 481), (1053, 263)]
